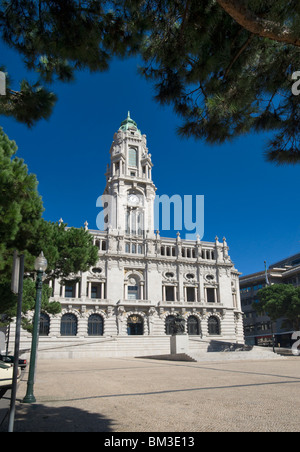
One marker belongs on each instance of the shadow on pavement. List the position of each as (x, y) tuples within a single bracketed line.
[(41, 418)]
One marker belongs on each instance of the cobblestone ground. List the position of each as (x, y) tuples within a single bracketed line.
[(140, 395)]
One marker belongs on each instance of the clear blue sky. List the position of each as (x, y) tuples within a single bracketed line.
[(254, 204)]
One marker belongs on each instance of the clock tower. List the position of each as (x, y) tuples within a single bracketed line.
[(142, 281), (129, 195)]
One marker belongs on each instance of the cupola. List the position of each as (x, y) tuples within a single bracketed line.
[(129, 125)]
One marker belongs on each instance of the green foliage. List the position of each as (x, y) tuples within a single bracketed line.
[(68, 250), (224, 79), (20, 204), (28, 105), (29, 297), (280, 301), (56, 38), (9, 302)]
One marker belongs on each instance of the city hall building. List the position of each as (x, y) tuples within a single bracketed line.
[(125, 303)]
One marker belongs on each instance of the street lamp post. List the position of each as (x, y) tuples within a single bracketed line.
[(40, 267)]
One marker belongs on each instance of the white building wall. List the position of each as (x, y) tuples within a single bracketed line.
[(206, 266)]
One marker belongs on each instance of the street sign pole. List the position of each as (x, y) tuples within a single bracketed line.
[(17, 347)]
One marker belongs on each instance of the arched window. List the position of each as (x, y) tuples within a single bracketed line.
[(193, 326), (44, 325), (132, 160), (213, 326), (128, 226), (68, 325), (135, 222), (140, 223), (133, 287), (95, 325), (169, 321)]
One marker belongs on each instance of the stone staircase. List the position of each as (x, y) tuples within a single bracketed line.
[(155, 347), (212, 351), (110, 347), (200, 350)]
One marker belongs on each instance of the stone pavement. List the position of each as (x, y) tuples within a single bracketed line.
[(142, 395), (4, 404)]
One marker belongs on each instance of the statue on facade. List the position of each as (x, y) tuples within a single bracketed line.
[(177, 325), (120, 319), (151, 319)]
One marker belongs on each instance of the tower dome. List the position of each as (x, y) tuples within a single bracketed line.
[(129, 124)]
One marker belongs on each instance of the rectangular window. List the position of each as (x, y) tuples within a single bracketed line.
[(210, 295), (96, 291), (170, 293), (190, 294), (133, 292), (70, 291), (258, 287)]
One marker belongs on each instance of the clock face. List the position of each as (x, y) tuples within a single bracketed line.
[(133, 199)]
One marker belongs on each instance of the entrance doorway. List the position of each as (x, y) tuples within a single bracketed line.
[(135, 326)]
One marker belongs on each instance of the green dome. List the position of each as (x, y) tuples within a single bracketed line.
[(129, 124)]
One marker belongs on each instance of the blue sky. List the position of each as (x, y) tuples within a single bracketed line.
[(254, 204)]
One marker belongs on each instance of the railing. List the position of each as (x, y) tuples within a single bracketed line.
[(164, 247)]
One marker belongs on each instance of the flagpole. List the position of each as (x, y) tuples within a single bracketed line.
[(266, 275), (272, 329)]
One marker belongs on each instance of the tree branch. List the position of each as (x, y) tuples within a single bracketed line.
[(256, 25), (242, 49)]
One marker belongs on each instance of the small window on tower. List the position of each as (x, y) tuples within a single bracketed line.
[(132, 161)]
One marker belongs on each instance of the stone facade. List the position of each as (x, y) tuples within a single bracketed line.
[(142, 279), (259, 329)]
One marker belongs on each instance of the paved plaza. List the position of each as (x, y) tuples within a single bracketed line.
[(141, 395)]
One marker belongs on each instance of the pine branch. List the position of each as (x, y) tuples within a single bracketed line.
[(256, 25), (239, 53), (185, 17)]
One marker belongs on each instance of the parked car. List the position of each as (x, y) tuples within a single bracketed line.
[(11, 359), (6, 375)]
